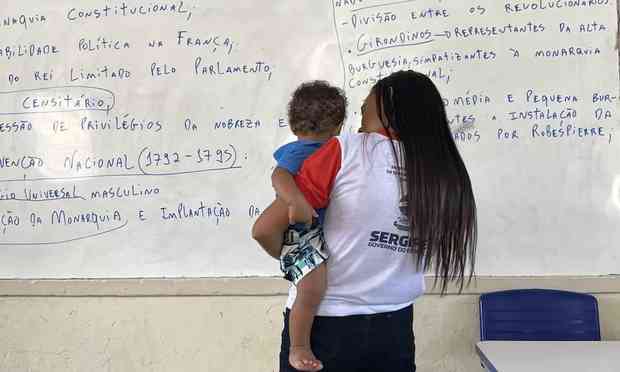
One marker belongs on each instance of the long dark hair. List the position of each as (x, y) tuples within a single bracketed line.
[(440, 201)]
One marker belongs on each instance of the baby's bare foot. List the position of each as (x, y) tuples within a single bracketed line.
[(303, 359)]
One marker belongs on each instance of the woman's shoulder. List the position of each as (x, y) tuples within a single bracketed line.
[(349, 139)]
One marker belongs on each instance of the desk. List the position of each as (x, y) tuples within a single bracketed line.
[(550, 356)]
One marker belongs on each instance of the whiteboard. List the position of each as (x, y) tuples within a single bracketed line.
[(136, 137)]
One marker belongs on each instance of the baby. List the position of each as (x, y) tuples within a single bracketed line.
[(316, 113)]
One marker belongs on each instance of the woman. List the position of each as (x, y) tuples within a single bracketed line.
[(399, 202)]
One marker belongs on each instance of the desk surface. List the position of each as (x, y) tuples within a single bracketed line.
[(539, 356)]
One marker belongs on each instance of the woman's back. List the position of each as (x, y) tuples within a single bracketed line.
[(372, 267)]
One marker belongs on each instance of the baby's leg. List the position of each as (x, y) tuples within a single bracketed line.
[(310, 291)]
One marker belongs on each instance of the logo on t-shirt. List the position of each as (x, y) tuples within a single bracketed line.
[(389, 240), (402, 222), (397, 242)]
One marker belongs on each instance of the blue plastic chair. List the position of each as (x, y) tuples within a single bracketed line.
[(539, 315)]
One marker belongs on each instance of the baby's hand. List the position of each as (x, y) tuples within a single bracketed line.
[(300, 211)]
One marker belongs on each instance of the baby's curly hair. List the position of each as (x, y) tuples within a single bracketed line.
[(316, 107)]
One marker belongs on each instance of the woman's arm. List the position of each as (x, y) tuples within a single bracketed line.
[(289, 207), (269, 228)]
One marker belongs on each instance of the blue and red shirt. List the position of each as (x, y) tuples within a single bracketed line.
[(292, 155)]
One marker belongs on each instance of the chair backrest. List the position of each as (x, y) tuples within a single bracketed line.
[(539, 315)]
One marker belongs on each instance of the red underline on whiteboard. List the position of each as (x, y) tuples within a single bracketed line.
[(381, 5), (68, 240), (24, 179), (395, 46)]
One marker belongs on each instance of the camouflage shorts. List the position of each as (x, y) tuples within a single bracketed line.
[(302, 251)]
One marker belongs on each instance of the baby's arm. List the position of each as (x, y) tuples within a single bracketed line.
[(299, 210)]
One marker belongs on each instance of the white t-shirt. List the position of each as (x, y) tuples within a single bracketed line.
[(372, 266)]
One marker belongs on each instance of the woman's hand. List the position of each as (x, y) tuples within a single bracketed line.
[(300, 211)]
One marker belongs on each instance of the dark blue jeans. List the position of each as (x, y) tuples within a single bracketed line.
[(359, 343)]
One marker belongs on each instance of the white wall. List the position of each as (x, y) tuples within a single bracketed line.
[(232, 327)]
